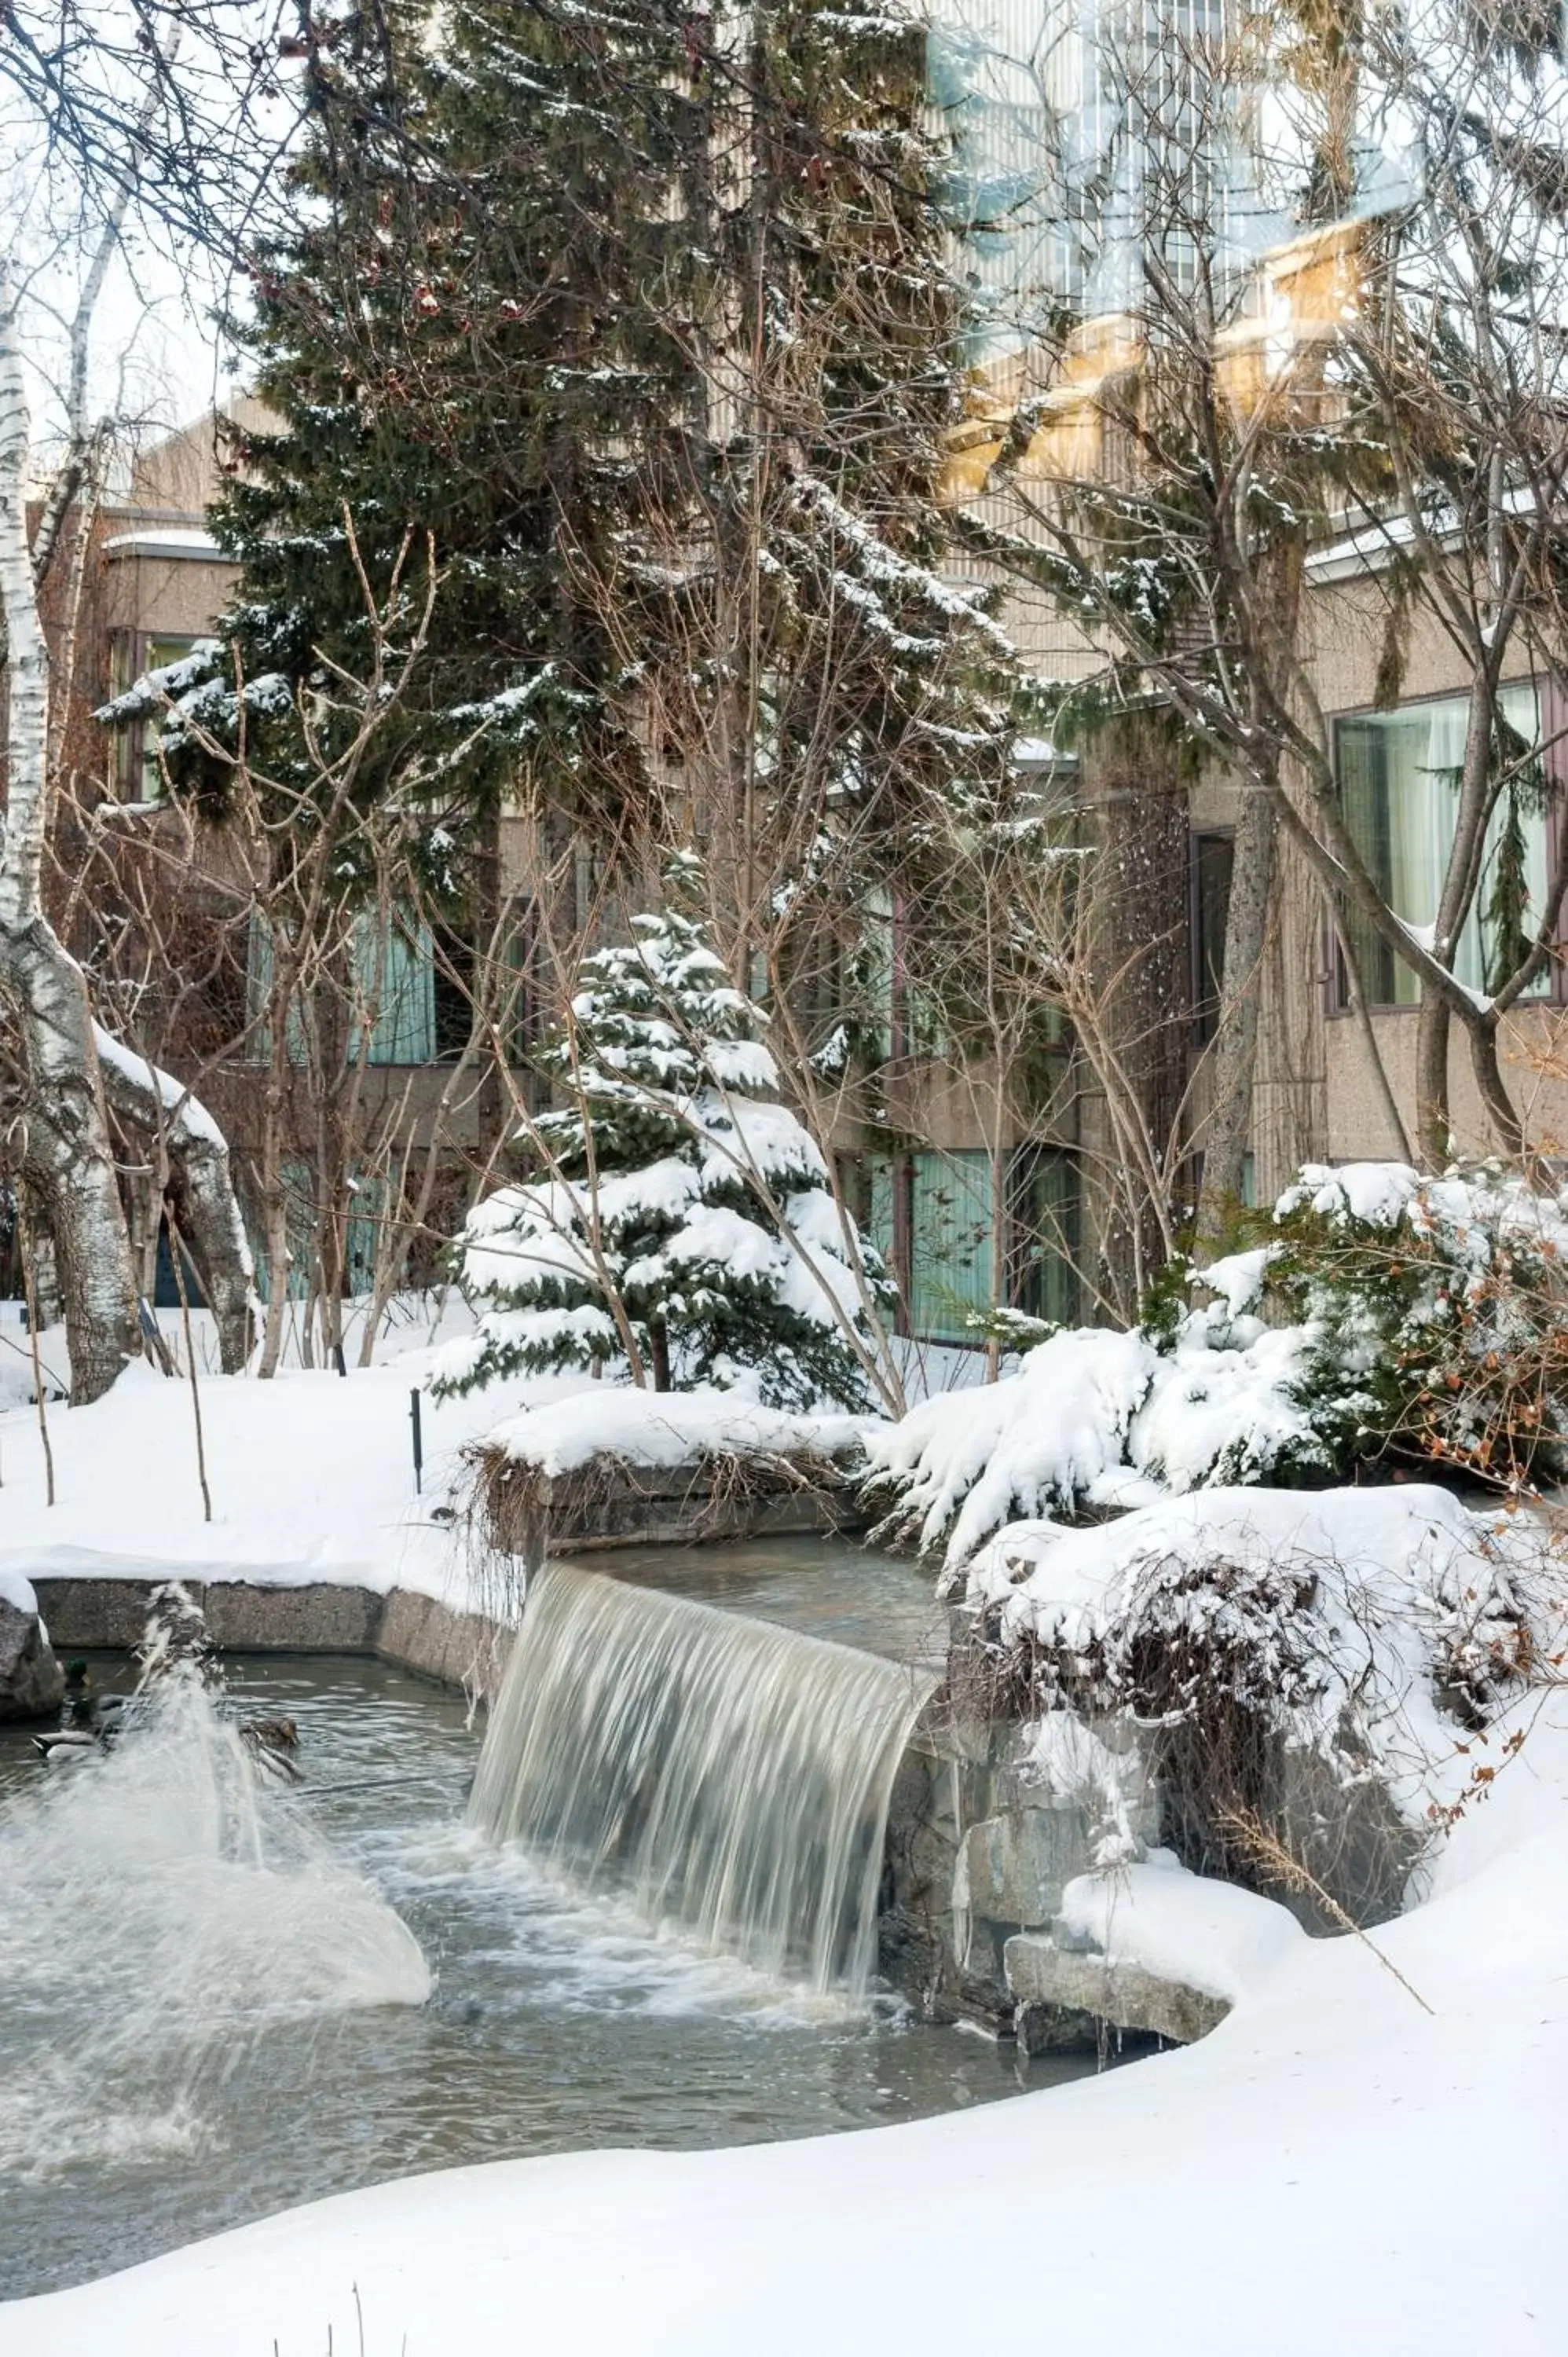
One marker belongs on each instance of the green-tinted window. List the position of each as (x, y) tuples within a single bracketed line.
[(1047, 1212), (359, 1235), (394, 1014), (1397, 774), (389, 1014), (951, 1254)]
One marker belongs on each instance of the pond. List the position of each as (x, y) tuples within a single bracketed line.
[(211, 2007)]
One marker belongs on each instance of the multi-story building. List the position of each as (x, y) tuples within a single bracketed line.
[(980, 1184)]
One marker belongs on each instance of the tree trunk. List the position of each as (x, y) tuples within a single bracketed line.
[(659, 1354), (67, 1158), (1235, 1058), (150, 1104), (1433, 1135)]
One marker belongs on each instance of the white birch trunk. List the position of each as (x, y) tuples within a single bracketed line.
[(200, 1188), (67, 1160)]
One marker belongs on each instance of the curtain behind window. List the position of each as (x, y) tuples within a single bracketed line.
[(951, 1218), (1398, 783), (393, 989)]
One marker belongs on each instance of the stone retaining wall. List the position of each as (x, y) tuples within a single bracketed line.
[(609, 1503), (977, 1853), (416, 1632)]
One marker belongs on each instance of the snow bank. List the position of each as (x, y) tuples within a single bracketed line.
[(644, 1428), (1320, 2134), (311, 1477), (1183, 1927), (1352, 1614)]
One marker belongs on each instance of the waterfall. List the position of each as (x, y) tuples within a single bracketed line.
[(729, 1777)]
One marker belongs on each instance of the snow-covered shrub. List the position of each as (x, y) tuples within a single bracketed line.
[(679, 1222), (1434, 1313), (1304, 1668), (1380, 1312), (1102, 1419)]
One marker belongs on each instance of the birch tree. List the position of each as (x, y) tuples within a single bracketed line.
[(66, 1152)]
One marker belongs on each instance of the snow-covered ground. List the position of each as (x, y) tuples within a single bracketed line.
[(1334, 2169), (1344, 2165), (311, 1476)]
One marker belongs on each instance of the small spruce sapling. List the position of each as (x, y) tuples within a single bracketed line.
[(676, 1205)]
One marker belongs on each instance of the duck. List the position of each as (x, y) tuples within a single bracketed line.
[(68, 1743), (272, 1740), (82, 1709)]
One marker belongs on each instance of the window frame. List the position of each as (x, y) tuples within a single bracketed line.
[(1552, 707), (135, 750)]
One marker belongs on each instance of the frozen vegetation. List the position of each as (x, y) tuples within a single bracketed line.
[(1321, 2130), (1380, 1310)]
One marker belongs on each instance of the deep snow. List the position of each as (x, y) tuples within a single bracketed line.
[(1334, 2169)]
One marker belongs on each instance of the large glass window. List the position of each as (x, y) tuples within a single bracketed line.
[(392, 994), (952, 1222), (1046, 1213), (1398, 775)]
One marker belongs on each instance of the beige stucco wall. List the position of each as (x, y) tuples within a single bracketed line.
[(159, 596)]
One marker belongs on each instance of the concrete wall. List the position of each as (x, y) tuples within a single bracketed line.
[(417, 1632)]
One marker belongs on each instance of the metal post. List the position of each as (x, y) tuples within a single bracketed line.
[(418, 1441)]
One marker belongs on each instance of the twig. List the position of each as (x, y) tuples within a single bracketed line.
[(1255, 1841), (30, 1294), (176, 1250)]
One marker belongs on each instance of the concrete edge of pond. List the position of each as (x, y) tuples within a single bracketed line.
[(966, 1870), (412, 1632)]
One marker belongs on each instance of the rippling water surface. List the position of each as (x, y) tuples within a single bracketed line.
[(212, 1992)]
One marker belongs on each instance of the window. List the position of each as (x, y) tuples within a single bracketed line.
[(951, 1254), (391, 994), (1397, 775), (1213, 856), (1047, 1210), (361, 1229), (137, 776), (393, 1014), (458, 968)]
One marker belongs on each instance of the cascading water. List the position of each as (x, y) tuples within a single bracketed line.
[(730, 1777), (163, 1905)]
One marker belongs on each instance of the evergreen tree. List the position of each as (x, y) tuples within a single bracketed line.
[(678, 1216), (452, 345), (640, 323)]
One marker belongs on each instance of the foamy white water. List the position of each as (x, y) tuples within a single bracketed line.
[(727, 1776), (161, 1905)]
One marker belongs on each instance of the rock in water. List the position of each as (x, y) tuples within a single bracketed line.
[(31, 1680)]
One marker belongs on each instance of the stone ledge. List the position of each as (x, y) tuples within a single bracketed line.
[(712, 1495), (415, 1632), (1046, 1980)]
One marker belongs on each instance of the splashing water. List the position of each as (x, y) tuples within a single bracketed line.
[(730, 1777), (163, 1905)]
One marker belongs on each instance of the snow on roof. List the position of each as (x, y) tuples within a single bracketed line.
[(166, 540)]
